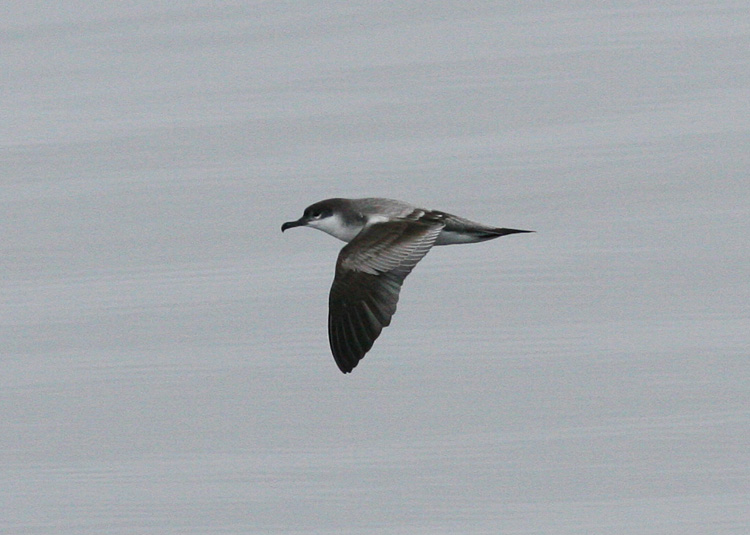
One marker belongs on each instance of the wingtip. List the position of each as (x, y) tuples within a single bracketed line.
[(345, 367)]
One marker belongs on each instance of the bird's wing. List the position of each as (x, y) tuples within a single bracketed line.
[(369, 274)]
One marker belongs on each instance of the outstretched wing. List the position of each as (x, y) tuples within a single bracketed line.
[(369, 274)]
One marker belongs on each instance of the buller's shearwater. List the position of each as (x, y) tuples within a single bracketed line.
[(386, 239)]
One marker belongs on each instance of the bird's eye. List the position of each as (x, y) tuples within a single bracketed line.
[(316, 213)]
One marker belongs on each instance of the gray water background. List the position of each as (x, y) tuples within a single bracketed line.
[(165, 367)]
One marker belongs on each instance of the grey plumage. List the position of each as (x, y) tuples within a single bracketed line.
[(386, 239)]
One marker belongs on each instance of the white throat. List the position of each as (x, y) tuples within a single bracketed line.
[(336, 227)]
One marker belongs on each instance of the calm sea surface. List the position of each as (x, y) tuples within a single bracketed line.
[(165, 366)]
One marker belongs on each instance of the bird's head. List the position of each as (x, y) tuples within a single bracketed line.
[(336, 217), (314, 216)]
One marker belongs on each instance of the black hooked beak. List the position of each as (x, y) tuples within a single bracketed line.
[(291, 224)]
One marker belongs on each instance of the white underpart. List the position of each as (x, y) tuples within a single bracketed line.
[(334, 225), (451, 238), (377, 219)]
